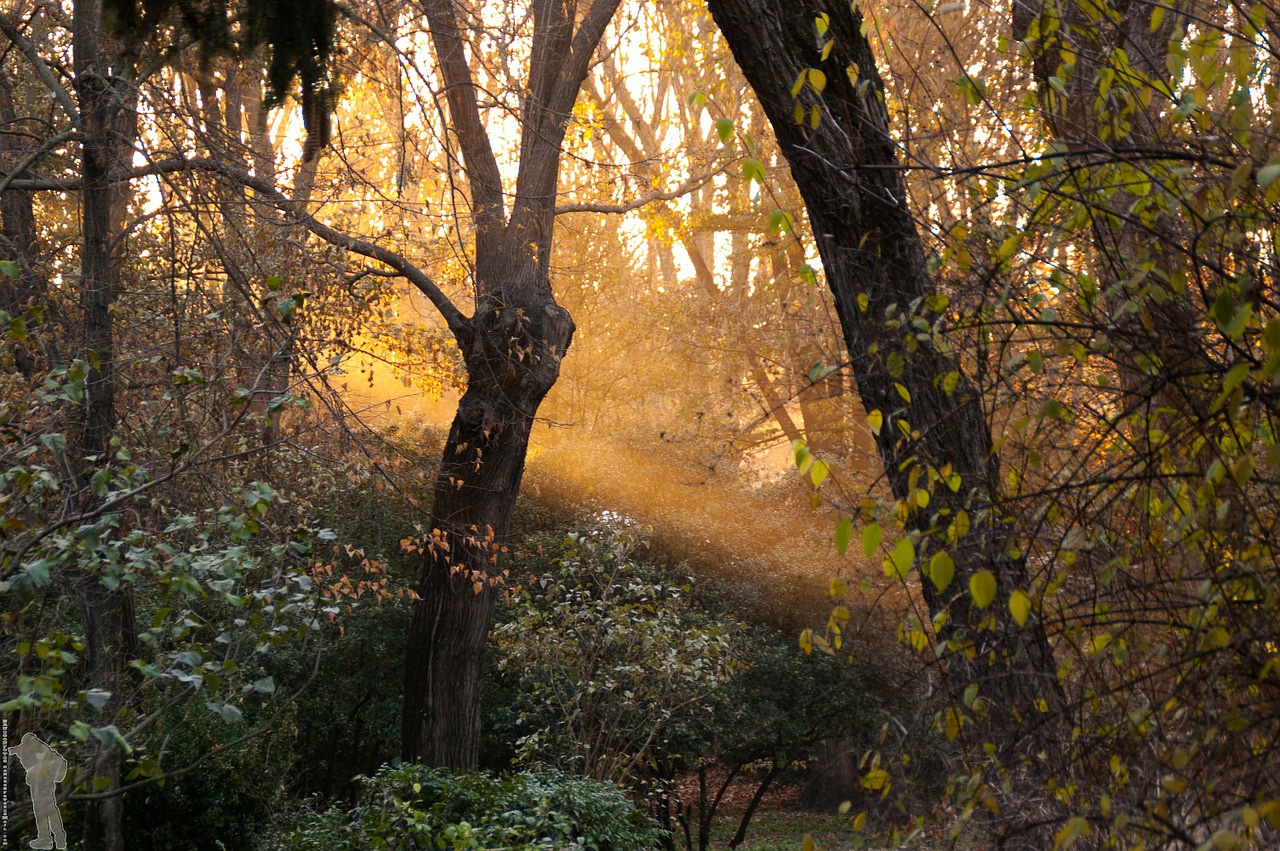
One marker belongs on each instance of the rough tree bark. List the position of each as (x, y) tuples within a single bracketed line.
[(849, 175), (512, 347)]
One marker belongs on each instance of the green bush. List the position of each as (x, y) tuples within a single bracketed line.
[(417, 807)]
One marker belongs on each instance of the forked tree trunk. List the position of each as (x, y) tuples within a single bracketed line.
[(512, 347), (848, 173), (512, 361)]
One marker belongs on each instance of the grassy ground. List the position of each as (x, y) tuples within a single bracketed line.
[(785, 830)]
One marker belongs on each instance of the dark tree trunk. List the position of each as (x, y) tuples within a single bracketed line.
[(108, 125), (513, 360), (18, 237), (512, 348), (849, 176)]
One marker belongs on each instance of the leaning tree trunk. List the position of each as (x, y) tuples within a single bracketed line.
[(849, 176)]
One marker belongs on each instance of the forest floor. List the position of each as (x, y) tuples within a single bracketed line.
[(781, 823)]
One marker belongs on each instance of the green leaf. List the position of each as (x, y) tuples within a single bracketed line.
[(942, 569), (10, 269), (724, 130), (898, 565), (844, 529), (110, 736), (871, 534), (1157, 16), (801, 453), (818, 473), (780, 221), (753, 169), (97, 698), (1266, 175), (982, 587), (225, 711), (1271, 334)]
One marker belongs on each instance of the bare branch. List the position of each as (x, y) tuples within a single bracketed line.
[(457, 323), (32, 158), (636, 203), (42, 69)]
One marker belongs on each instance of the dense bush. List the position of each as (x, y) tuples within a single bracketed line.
[(417, 807), (610, 665), (603, 655)]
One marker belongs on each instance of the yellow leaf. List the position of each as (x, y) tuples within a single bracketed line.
[(806, 641), (1071, 831), (875, 419), (876, 779), (1020, 606), (942, 569), (838, 586), (860, 820), (982, 587), (951, 726)]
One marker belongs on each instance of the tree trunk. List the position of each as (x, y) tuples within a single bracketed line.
[(849, 176), (512, 348), (513, 360), (109, 125)]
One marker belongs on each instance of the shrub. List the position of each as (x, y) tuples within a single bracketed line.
[(417, 807)]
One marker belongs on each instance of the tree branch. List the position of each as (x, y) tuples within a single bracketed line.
[(460, 91), (457, 323), (42, 69), (636, 203)]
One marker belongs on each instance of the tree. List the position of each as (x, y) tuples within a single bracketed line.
[(512, 347), (1111, 280), (816, 76)]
